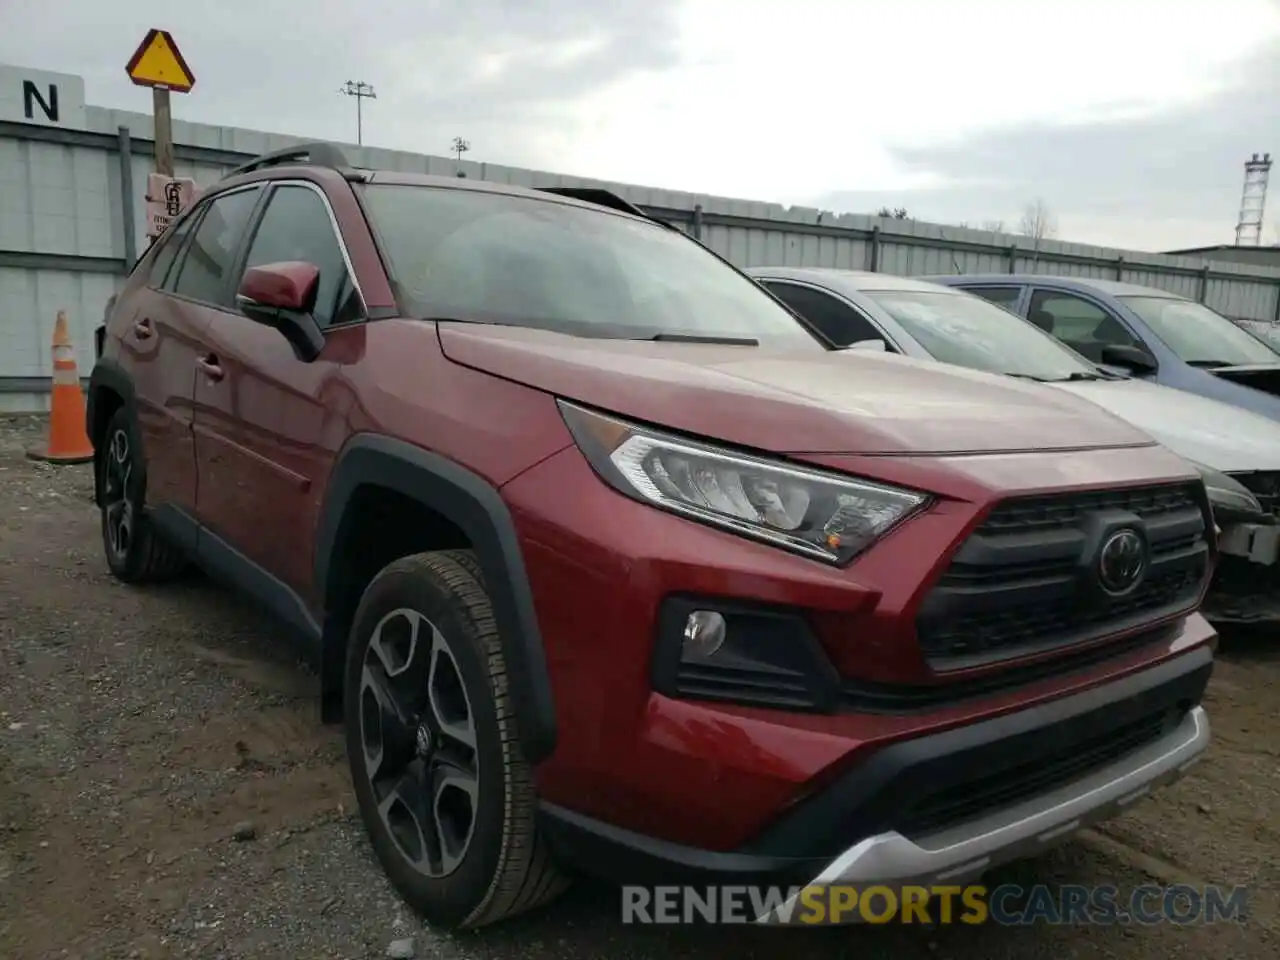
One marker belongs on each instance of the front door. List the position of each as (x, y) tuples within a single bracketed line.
[(1083, 325), (267, 427)]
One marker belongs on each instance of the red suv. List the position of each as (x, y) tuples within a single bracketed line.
[(609, 565)]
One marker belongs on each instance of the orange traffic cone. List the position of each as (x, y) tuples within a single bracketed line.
[(68, 440)]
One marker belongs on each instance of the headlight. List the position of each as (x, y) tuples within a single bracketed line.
[(822, 515), (1229, 498)]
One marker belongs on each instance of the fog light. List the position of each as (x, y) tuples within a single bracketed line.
[(703, 634)]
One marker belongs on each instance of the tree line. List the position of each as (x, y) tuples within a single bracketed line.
[(1037, 221)]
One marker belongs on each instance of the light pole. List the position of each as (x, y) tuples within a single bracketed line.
[(460, 146), (361, 91)]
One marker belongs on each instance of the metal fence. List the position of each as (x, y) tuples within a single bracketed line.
[(71, 225)]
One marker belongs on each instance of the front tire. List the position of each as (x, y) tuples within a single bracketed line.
[(136, 553), (443, 788)]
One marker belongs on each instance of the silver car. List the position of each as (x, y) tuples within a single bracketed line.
[(1237, 451)]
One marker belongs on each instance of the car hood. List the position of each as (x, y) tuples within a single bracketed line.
[(790, 402), (1217, 434)]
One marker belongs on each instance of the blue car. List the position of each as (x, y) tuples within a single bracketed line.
[(1145, 332)]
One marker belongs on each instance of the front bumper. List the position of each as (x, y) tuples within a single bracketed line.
[(1246, 584), (940, 806), (1243, 592), (966, 850), (1255, 542)]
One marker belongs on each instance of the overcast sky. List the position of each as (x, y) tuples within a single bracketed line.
[(1130, 118)]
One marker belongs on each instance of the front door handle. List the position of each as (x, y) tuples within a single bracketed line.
[(142, 328), (209, 364)]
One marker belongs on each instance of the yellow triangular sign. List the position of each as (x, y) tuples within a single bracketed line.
[(158, 63)]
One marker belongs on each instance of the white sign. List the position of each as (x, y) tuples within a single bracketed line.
[(41, 97), (166, 198)]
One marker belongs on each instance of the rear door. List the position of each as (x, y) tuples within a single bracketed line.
[(158, 344), (266, 425), (1007, 295), (835, 319)]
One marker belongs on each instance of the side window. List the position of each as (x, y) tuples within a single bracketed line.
[(210, 256), (1006, 297), (297, 226), (170, 246), (1081, 325), (836, 321)]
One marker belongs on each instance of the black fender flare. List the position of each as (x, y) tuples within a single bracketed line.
[(472, 503), (107, 375)]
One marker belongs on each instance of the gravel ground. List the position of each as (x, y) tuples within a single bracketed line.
[(166, 790)]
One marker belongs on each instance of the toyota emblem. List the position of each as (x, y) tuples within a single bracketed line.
[(1122, 561)]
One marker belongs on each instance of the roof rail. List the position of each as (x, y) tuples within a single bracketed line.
[(318, 153), (599, 196)]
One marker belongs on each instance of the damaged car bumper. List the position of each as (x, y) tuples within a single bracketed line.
[(1255, 542), (1246, 583)]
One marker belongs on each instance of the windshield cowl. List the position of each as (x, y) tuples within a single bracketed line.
[(1077, 376)]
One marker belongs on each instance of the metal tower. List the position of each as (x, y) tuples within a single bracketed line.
[(1253, 200)]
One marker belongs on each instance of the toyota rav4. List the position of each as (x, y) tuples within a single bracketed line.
[(609, 565)]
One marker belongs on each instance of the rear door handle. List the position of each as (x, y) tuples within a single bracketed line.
[(209, 364), (142, 328)]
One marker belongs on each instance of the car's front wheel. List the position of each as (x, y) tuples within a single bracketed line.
[(444, 790)]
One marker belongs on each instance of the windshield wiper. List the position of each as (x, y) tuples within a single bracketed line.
[(1074, 377), (1208, 364), (704, 338)]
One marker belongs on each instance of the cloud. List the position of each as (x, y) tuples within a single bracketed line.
[(790, 104), (1131, 118), (1155, 179), (504, 74)]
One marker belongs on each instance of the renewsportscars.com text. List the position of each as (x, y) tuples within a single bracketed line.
[(1007, 905)]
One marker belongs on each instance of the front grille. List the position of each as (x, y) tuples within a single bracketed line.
[(1067, 510), (865, 696), (1263, 484), (987, 791), (1026, 581)]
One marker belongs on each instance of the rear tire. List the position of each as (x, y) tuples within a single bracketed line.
[(443, 787), (136, 553)]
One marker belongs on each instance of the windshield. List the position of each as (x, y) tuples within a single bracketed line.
[(1198, 335), (497, 258), (971, 332)]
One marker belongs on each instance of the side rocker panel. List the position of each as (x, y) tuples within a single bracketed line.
[(476, 507)]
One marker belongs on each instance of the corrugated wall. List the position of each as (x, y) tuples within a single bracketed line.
[(70, 228)]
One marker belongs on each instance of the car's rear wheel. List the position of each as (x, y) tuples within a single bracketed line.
[(135, 552), (444, 790)]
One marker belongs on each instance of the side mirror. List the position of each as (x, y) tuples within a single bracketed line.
[(282, 296), (1128, 357), (874, 346)]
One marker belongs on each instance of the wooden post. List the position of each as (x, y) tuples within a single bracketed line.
[(164, 131)]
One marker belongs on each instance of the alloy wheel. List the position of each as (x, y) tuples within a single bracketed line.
[(116, 505), (418, 734)]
